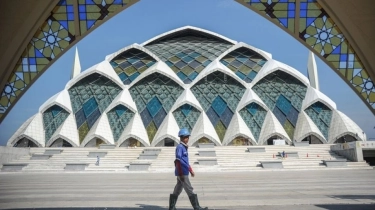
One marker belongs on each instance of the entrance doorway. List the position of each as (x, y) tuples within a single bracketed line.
[(313, 139)]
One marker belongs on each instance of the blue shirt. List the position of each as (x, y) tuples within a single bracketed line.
[(182, 166)]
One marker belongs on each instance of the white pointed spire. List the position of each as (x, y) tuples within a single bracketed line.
[(312, 71), (76, 66)]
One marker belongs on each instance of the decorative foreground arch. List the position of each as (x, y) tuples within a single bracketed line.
[(310, 24), (71, 20)]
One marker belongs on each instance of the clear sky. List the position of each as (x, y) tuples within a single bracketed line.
[(149, 18)]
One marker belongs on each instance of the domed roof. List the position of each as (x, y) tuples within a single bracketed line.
[(218, 88)]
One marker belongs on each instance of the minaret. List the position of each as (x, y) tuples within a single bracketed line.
[(76, 66), (312, 71)]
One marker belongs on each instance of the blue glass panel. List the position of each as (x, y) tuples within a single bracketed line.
[(181, 75), (169, 63), (187, 81), (185, 109), (113, 64), (252, 75), (82, 16), (194, 55), (124, 65), (159, 117), (146, 117), (133, 60), (279, 115), (193, 75), (55, 110), (240, 75), (293, 116), (181, 55), (252, 108), (212, 116), (187, 59), (80, 118), (93, 117), (194, 64), (180, 64), (248, 80), (134, 76), (127, 81), (120, 110), (242, 59), (226, 117), (283, 104), (123, 76), (154, 106), (206, 63), (90, 106), (219, 105), (139, 64), (224, 62)]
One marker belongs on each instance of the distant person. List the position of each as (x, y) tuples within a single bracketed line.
[(182, 169), (283, 154), (97, 160)]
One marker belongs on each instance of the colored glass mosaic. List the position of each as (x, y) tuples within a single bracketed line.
[(118, 118), (321, 115), (283, 94), (92, 11), (154, 96), (321, 33), (186, 116), (188, 55), (219, 96), (281, 12), (51, 38), (130, 64), (245, 63), (254, 116), (53, 118), (89, 98)]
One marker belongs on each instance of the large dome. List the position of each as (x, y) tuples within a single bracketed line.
[(223, 91)]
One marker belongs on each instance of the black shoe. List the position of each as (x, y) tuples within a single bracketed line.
[(172, 201), (195, 203)]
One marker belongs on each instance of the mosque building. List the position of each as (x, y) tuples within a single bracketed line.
[(225, 92)]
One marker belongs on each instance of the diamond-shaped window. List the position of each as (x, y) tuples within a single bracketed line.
[(219, 105), (154, 106)]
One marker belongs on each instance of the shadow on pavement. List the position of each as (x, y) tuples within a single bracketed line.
[(371, 197), (347, 206)]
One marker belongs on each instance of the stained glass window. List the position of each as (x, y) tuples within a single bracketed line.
[(118, 118), (53, 118), (186, 116), (154, 96), (245, 63), (283, 94), (90, 97), (321, 115), (130, 64), (219, 96), (254, 116), (189, 54)]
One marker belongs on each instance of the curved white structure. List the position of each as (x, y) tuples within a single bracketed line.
[(225, 92)]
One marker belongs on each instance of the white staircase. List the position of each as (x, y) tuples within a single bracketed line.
[(229, 158)]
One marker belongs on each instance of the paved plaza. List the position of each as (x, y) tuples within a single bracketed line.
[(310, 190)]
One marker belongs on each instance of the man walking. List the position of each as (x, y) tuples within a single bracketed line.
[(182, 169)]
